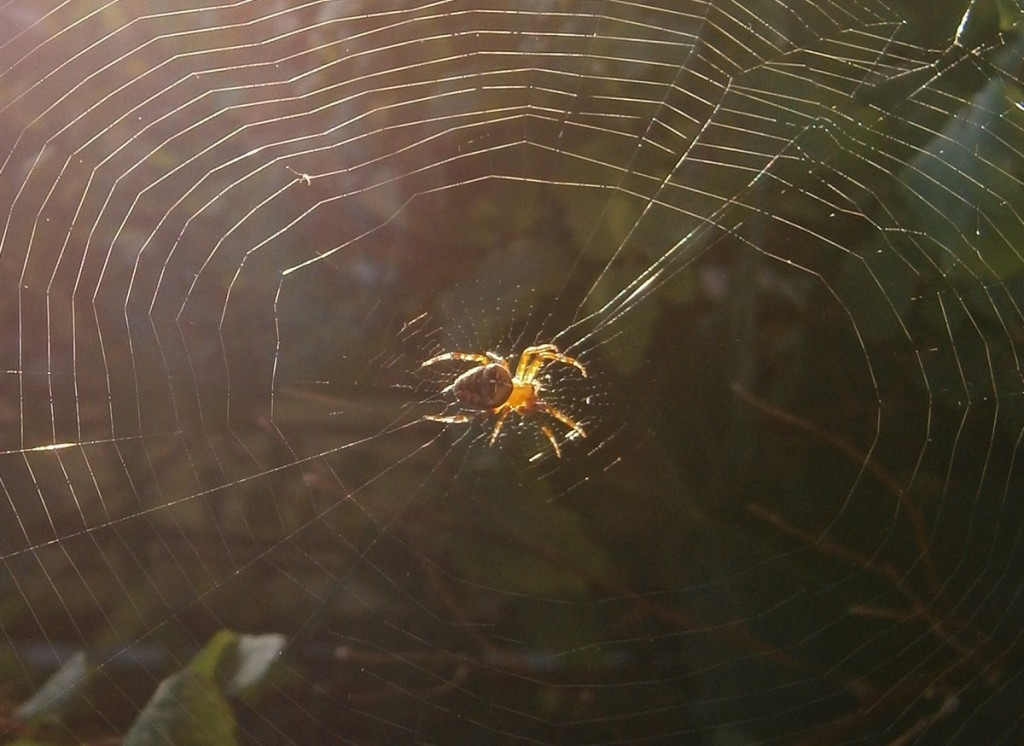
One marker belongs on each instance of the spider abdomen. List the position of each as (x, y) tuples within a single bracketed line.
[(485, 387)]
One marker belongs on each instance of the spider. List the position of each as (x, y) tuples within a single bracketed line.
[(492, 388)]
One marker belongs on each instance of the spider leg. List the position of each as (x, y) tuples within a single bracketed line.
[(497, 426), (534, 358), (452, 418), (551, 437), (565, 419), (472, 357)]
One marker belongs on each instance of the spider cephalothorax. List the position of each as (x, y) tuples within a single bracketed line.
[(492, 388)]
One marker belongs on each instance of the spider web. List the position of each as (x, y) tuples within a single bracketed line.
[(783, 237)]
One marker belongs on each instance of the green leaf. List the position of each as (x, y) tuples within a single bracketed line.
[(255, 656), (238, 663), (1011, 14), (979, 23), (191, 707), (63, 688), (187, 709), (212, 661), (964, 187)]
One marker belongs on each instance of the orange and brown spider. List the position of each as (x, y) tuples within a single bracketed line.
[(492, 388)]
